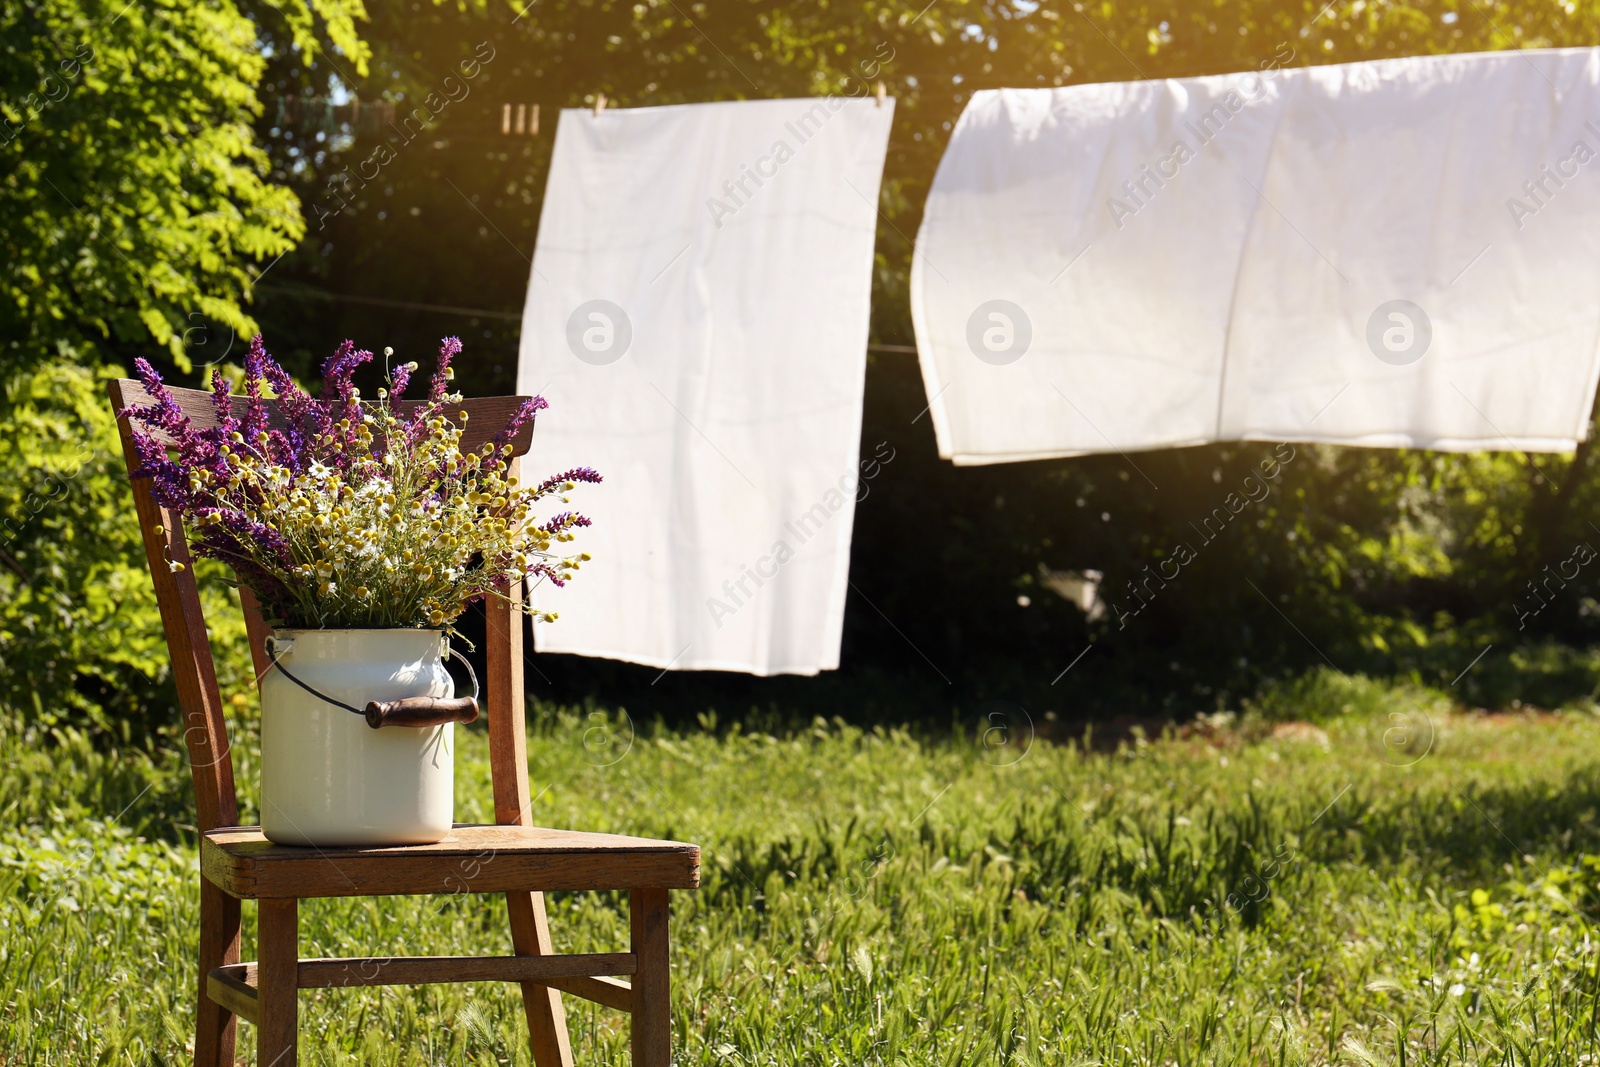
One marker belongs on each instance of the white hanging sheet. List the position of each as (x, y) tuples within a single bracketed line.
[(1394, 253), (697, 318)]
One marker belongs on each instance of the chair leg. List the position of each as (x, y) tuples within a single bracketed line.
[(547, 1018), (277, 974), (652, 983), (215, 1026)]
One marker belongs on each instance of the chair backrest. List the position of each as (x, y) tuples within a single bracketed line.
[(178, 596)]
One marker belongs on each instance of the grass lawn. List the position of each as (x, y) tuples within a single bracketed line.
[(1411, 890)]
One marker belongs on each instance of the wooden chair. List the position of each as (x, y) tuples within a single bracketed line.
[(237, 863)]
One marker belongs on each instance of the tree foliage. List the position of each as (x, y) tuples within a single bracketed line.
[(134, 197), (80, 636)]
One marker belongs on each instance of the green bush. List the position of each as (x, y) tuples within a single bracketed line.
[(80, 635), (1545, 675), (1326, 696)]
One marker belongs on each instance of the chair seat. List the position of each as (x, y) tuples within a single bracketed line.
[(472, 859)]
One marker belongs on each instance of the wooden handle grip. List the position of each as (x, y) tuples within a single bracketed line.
[(421, 711)]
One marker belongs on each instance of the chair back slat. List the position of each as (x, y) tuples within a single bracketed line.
[(256, 629), (205, 731), (508, 737), (488, 415), (183, 621)]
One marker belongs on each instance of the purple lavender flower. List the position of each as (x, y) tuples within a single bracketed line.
[(255, 360), (565, 521), (222, 400), (576, 474), (545, 570), (164, 414), (448, 349), (304, 419), (339, 371), (525, 414), (398, 381)]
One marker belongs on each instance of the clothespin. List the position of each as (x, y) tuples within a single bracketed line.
[(599, 103), (882, 93), (526, 120)]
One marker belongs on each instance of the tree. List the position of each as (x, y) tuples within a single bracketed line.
[(133, 194), (133, 200)]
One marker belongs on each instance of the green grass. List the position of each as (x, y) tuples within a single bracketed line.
[(1414, 891)]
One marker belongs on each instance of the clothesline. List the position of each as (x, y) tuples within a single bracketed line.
[(327, 115), (351, 298), (451, 309)]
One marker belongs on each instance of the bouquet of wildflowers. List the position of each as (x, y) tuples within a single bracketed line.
[(341, 513)]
